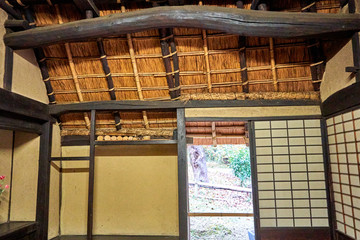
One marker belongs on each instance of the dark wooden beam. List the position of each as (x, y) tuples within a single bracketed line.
[(23, 106), (5, 5), (90, 219), (75, 140), (17, 123), (299, 233), (85, 5), (106, 69), (176, 66), (16, 25), (42, 203), (183, 191), (316, 53), (164, 44), (242, 56), (41, 60), (343, 100), (230, 20), (59, 109), (355, 42), (8, 68)]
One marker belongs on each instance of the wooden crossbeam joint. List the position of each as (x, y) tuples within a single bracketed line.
[(352, 69)]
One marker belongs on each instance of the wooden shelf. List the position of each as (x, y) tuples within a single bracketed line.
[(17, 230), (145, 142)]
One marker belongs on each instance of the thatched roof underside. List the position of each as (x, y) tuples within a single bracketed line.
[(208, 62)]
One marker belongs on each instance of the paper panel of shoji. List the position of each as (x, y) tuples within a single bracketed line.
[(344, 146), (290, 172)]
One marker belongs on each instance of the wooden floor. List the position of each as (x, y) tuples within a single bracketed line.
[(116, 238)]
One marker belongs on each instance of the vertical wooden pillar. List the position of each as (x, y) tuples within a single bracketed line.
[(328, 179), (42, 203), (355, 43), (254, 179), (182, 176), (91, 175)]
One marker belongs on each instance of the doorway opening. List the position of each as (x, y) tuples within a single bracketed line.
[(219, 178)]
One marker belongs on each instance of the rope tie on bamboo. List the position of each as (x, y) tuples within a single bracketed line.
[(53, 102), (111, 89), (167, 37), (175, 88), (50, 94), (177, 98), (315, 64), (103, 56), (317, 81), (20, 3), (308, 6), (242, 49), (107, 74), (46, 79), (245, 83), (170, 55), (32, 24), (171, 73), (7, 2), (118, 124), (42, 60), (243, 69)]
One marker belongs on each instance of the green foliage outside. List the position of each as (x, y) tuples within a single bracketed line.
[(235, 156)]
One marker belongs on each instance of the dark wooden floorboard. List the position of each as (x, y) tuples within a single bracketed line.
[(117, 238)]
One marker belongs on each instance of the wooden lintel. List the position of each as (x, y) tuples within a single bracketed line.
[(230, 20), (59, 109), (23, 106)]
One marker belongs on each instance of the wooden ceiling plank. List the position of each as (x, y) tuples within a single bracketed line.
[(230, 20)]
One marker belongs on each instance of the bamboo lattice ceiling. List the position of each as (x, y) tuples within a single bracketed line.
[(209, 65)]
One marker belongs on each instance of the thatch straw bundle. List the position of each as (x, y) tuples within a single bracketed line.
[(209, 65)]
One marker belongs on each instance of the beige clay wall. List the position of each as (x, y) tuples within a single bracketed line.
[(135, 191)]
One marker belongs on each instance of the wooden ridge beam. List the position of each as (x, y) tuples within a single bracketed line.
[(230, 20)]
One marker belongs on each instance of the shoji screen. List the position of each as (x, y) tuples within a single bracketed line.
[(290, 172), (344, 145)]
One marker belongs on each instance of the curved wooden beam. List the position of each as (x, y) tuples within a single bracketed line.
[(231, 20)]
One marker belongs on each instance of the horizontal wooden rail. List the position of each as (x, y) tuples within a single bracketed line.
[(145, 142), (220, 214), (230, 20), (59, 109), (224, 187), (69, 159)]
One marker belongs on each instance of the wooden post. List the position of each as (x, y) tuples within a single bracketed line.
[(175, 60), (8, 8), (355, 43), (42, 203), (182, 176), (91, 176)]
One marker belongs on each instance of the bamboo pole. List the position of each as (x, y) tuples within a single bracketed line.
[(273, 65), (136, 73), (206, 56), (72, 68)]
